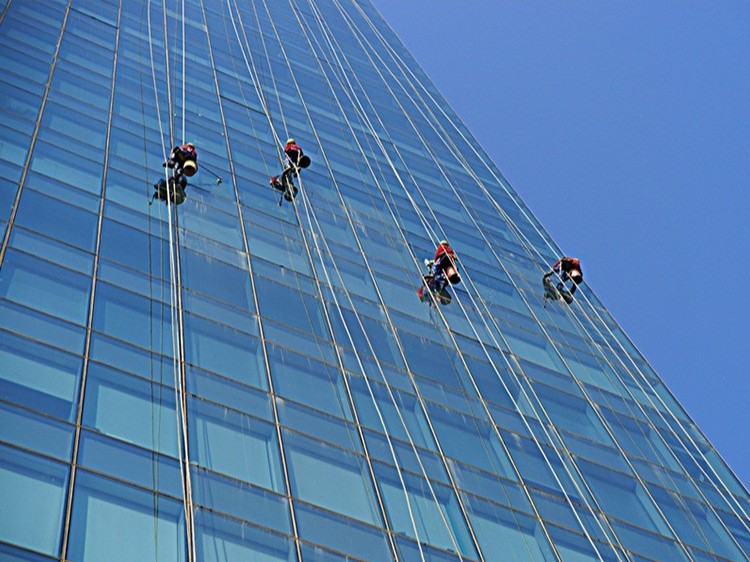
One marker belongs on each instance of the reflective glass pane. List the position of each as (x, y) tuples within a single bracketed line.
[(32, 493), (331, 478), (147, 528), (46, 287), (240, 446), (38, 377), (222, 540)]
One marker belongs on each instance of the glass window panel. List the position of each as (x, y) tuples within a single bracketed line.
[(215, 225), (331, 478), (13, 146), (229, 393), (76, 124), (532, 346), (135, 248), (344, 535), (67, 193), (571, 413), (623, 497), (130, 279), (318, 425), (125, 357), (10, 553), (284, 336), (433, 510), (234, 444), (132, 409), (375, 340), (401, 412), (61, 165), (41, 327), (506, 535), (422, 356), (147, 528), (307, 381), (43, 286), (19, 109), (557, 510), (220, 349), (319, 554), (291, 307), (409, 550), (51, 250), (278, 248), (694, 523), (490, 486), (222, 540), (8, 191), (133, 318), (651, 545), (39, 377), (217, 279), (419, 462), (540, 467), (31, 431), (89, 87), (468, 440), (127, 462), (577, 548), (241, 500), (218, 312), (32, 493)]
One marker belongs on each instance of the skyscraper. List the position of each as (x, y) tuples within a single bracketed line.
[(246, 377)]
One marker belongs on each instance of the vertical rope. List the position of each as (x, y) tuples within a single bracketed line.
[(180, 414)]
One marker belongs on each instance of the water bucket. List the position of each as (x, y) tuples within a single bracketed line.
[(452, 274), (189, 167)]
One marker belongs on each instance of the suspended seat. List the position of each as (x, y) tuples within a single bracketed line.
[(175, 192)]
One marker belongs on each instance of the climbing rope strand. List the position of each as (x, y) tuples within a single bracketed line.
[(181, 427), (184, 77), (156, 417)]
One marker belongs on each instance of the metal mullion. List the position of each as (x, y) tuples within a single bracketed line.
[(272, 394), (90, 318), (35, 133), (376, 487)]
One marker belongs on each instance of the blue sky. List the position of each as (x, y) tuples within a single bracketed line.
[(625, 126)]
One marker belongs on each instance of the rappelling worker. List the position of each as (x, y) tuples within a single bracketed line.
[(293, 152), (174, 189), (568, 269), (443, 270), (443, 264), (184, 159), (296, 160)]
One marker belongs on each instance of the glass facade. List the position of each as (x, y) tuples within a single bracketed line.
[(246, 378)]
